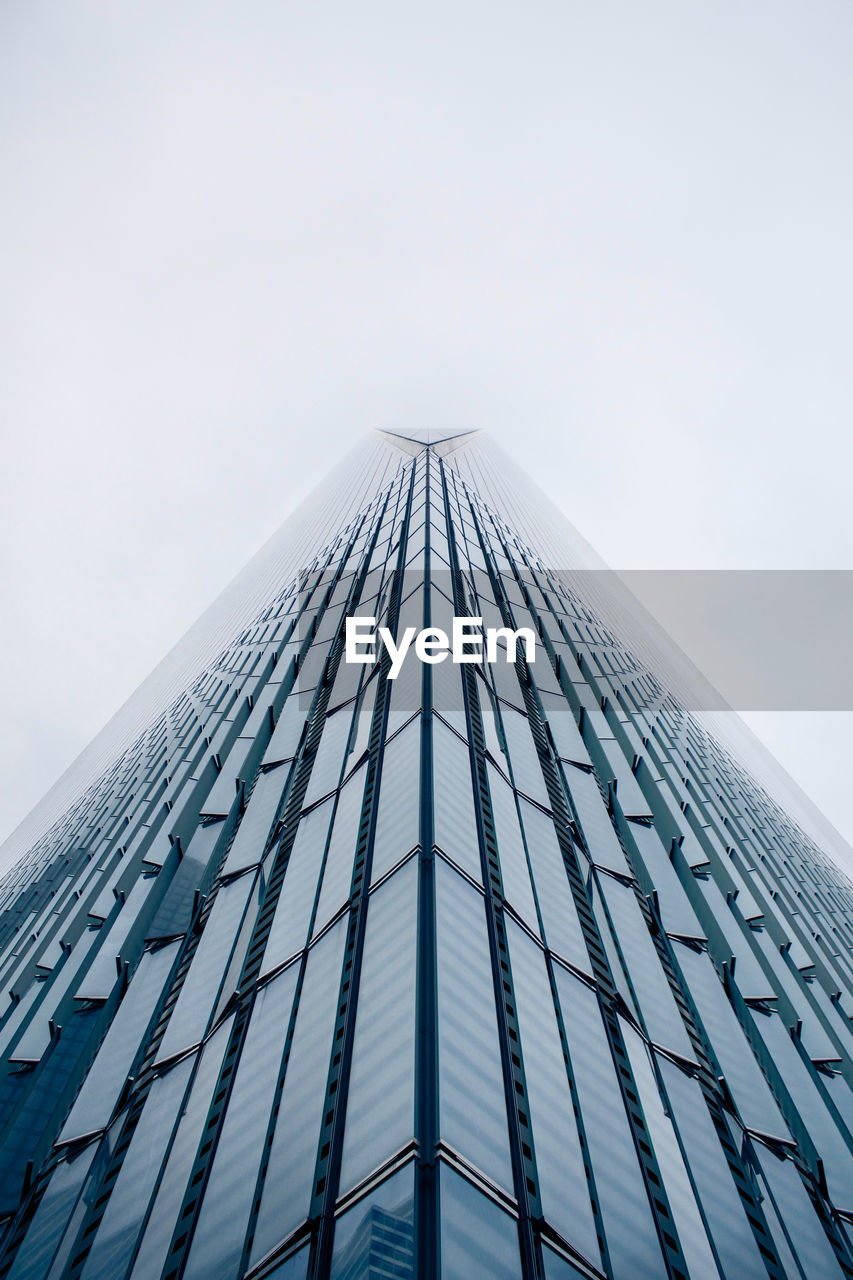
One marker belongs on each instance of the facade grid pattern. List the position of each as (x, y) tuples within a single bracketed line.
[(496, 971)]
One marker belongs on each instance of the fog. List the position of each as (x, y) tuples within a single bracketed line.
[(234, 238)]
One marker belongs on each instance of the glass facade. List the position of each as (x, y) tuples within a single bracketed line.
[(508, 970)]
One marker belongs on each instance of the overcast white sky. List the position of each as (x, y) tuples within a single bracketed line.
[(233, 237)]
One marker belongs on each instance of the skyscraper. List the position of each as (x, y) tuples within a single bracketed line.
[(493, 969)]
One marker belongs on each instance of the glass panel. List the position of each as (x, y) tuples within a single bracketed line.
[(559, 914), (744, 1078), (106, 1078), (289, 930), (406, 689), (255, 825), (231, 981), (380, 1101), (190, 1016), (685, 1212), (806, 1236), (506, 683), (53, 1214), (455, 823), (526, 769), (515, 873), (564, 730), (657, 1003), (631, 800), (398, 819), (223, 793), (447, 696), (293, 1268), (101, 978), (471, 1082), (347, 679), (724, 1210), (813, 1037), (337, 873), (311, 671), (557, 1268), (375, 1237), (289, 1181), (751, 978), (285, 739), (176, 909), (127, 1206), (364, 720), (562, 1181), (217, 1242), (328, 762), (614, 961), (840, 1094), (488, 711), (154, 1247), (803, 1090), (478, 1240), (631, 1234), (677, 914), (604, 848)]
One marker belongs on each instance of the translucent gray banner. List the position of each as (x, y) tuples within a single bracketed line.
[(763, 640), (749, 640)]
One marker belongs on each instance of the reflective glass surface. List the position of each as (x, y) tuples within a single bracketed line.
[(513, 969)]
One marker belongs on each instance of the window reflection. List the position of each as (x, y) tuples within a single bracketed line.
[(376, 1236)]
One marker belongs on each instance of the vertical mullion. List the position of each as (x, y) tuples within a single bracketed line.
[(426, 1052)]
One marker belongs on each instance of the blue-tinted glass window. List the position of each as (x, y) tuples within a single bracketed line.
[(289, 930), (604, 848), (562, 1181), (682, 1201), (286, 1193), (515, 873), (559, 914), (376, 1236), (217, 1241), (526, 769), (471, 1084), (155, 1241), (455, 823), (189, 1018), (398, 817), (109, 1071), (52, 1217), (380, 1102), (338, 868), (328, 762), (113, 1246), (724, 1210), (479, 1241), (628, 1224)]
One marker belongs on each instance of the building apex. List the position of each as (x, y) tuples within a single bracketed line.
[(440, 441)]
